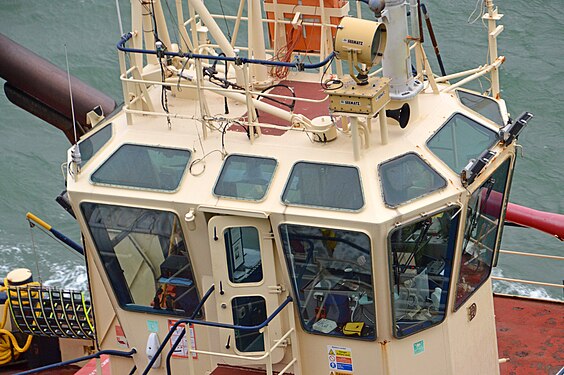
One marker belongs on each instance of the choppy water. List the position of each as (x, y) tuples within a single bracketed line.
[(31, 152)]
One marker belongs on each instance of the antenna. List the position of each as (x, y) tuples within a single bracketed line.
[(76, 159)]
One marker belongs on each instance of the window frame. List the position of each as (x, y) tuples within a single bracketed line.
[(495, 255), (378, 168), (474, 112), (294, 288), (94, 132), (133, 307), (268, 188), (452, 277), (361, 185), (486, 126), (180, 182)]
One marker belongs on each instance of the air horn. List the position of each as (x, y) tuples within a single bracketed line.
[(401, 115)]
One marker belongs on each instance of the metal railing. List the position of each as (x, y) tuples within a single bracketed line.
[(531, 282), (262, 328)]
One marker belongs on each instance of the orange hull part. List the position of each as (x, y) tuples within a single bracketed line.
[(310, 40)]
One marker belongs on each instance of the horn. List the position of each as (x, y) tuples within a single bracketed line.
[(401, 115)]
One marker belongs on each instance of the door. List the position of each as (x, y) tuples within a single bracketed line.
[(242, 252)]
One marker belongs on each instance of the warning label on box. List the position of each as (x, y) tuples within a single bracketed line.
[(340, 360)]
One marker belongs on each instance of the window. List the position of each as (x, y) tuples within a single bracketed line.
[(483, 105), (249, 311), (459, 140), (91, 145), (324, 185), (484, 217), (243, 254), (407, 177), (331, 274), (144, 167), (245, 177), (421, 261), (145, 256)]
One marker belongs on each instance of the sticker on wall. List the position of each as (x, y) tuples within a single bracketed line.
[(181, 350), (418, 347), (120, 337), (153, 326), (340, 360)]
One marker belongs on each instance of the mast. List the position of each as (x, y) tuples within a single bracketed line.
[(397, 59)]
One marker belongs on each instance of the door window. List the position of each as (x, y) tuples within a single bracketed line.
[(249, 311), (243, 254)]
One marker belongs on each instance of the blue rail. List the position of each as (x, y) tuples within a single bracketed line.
[(237, 60), (117, 353), (191, 320)]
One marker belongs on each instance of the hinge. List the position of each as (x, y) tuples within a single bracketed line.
[(269, 236), (276, 289)]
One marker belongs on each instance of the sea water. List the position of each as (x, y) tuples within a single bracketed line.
[(31, 151)]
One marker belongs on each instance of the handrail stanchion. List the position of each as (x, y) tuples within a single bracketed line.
[(266, 337)]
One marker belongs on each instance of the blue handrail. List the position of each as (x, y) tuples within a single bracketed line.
[(117, 353), (237, 60), (171, 331), (191, 320)]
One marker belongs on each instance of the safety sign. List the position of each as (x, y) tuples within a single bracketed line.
[(182, 347), (340, 360)]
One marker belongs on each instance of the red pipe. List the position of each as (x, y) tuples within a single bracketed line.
[(547, 222), (47, 84)]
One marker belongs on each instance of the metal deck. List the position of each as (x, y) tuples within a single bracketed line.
[(530, 333)]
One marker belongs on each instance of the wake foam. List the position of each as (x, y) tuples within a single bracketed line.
[(518, 289)]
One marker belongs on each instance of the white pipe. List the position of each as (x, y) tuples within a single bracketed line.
[(396, 62), (256, 38), (217, 34)]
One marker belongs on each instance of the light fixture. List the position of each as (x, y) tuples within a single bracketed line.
[(360, 42)]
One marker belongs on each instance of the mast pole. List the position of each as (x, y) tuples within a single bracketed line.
[(492, 16), (396, 62)]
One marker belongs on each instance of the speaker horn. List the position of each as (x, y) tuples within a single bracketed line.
[(401, 115)]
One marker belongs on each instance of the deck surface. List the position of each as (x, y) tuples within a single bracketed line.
[(531, 334), (235, 370)]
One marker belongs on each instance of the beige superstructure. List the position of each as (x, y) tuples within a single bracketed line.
[(415, 296)]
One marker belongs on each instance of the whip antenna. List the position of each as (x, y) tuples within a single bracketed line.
[(75, 151)]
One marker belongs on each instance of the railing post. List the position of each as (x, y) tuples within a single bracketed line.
[(266, 336), (294, 342)]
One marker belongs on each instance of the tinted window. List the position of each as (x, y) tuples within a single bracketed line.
[(324, 185), (481, 240), (242, 246), (459, 140), (484, 105), (144, 167), (91, 145), (145, 256), (421, 261), (331, 273), (406, 178), (245, 177)]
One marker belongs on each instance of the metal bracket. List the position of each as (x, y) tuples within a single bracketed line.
[(276, 289)]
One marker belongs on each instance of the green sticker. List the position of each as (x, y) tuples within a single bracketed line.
[(418, 347), (153, 326)]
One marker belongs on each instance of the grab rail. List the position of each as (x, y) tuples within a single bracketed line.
[(238, 60), (521, 281), (193, 321)]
